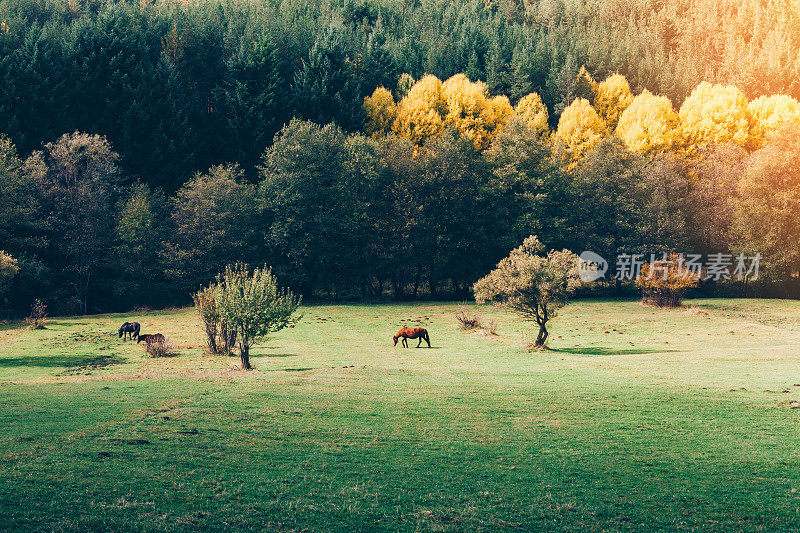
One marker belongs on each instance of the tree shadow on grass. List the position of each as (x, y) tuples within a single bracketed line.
[(601, 350), (68, 362), (12, 324)]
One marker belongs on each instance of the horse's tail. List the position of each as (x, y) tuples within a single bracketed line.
[(427, 338)]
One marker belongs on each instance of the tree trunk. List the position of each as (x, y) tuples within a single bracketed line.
[(227, 337), (211, 333), (244, 352), (230, 340), (542, 337)]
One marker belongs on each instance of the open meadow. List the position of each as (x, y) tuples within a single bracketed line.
[(636, 418)]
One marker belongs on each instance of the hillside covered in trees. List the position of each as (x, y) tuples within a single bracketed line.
[(366, 148)]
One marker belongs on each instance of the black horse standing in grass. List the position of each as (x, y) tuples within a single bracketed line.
[(131, 329)]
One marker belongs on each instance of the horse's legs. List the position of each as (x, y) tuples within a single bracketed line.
[(405, 342), (420, 342), (428, 340)]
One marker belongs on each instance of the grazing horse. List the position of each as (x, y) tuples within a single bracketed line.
[(155, 337), (131, 328), (412, 333)]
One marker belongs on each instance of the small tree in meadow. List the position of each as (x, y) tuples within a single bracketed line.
[(252, 304), (38, 317), (535, 286)]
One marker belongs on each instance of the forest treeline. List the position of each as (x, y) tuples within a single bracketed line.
[(177, 88), (349, 145)]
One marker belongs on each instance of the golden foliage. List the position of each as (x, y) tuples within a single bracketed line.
[(664, 283), (611, 98), (497, 114), (649, 124), (771, 115), (715, 114), (174, 45), (380, 111), (420, 115), (532, 110), (432, 106), (580, 128), (466, 105)]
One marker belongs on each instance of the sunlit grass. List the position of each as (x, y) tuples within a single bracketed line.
[(637, 418)]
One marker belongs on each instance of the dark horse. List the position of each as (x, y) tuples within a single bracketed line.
[(155, 337), (412, 333), (131, 328)]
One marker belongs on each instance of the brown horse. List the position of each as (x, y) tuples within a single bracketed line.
[(412, 333)]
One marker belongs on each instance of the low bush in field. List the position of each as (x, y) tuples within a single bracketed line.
[(38, 317), (468, 320), (160, 348), (665, 283)]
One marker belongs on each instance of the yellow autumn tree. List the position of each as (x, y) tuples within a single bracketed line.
[(771, 116), (380, 111), (498, 112), (432, 106), (421, 113), (715, 114), (649, 124), (580, 128), (533, 112), (466, 105), (611, 98)]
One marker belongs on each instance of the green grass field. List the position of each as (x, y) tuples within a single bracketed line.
[(636, 419)]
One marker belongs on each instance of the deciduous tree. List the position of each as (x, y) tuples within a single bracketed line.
[(767, 206), (612, 97), (580, 128), (715, 114), (771, 116), (649, 125), (531, 284), (253, 305)]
